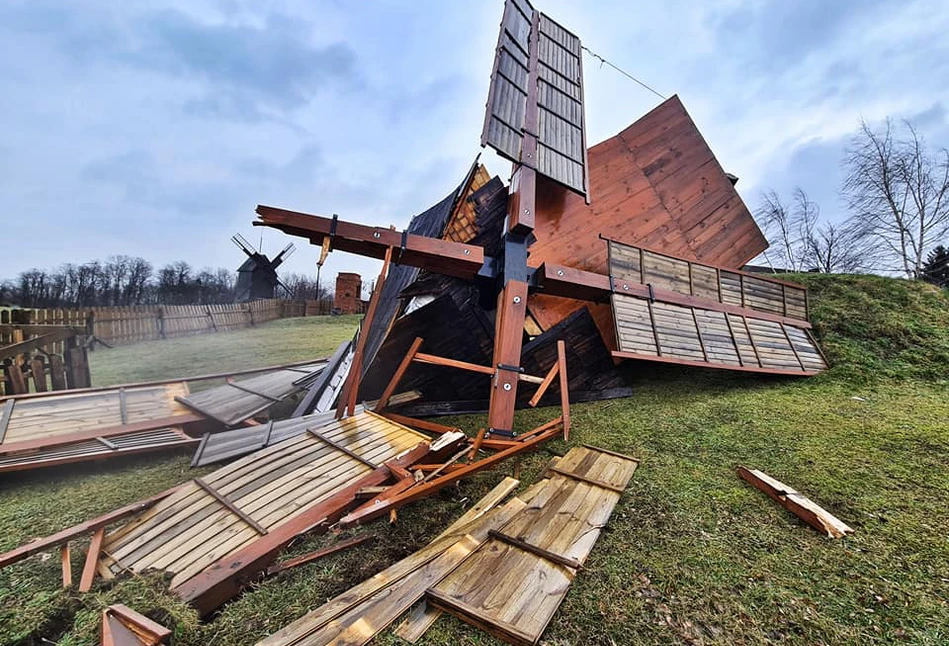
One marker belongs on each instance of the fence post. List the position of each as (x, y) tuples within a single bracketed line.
[(161, 321), (211, 317)]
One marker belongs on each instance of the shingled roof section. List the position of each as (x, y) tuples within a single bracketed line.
[(430, 223)]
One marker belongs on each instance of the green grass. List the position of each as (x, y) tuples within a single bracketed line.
[(691, 555), (282, 341)]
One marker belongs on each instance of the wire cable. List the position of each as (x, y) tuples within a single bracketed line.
[(603, 61)]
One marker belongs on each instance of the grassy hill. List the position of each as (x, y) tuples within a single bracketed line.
[(692, 554)]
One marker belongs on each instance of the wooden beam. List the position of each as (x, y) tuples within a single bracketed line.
[(398, 374), (547, 555), (431, 359), (795, 502), (545, 384), (420, 424), (35, 328), (564, 389), (318, 554), (214, 493), (441, 256), (38, 368), (43, 544), (92, 560), (142, 626)]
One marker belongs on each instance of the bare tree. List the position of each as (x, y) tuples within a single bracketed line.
[(896, 191)]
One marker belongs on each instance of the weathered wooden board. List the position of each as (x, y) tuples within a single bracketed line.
[(513, 585), (691, 335), (33, 420), (238, 400), (190, 531)]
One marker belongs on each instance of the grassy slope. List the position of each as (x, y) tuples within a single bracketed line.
[(692, 554)]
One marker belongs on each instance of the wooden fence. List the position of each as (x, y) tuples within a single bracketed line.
[(126, 325)]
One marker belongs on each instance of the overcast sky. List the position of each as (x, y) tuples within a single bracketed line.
[(154, 128)]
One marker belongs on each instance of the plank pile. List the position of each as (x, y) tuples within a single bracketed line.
[(505, 569)]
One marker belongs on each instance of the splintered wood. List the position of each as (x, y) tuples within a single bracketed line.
[(796, 503), (512, 586), (502, 569), (122, 626)]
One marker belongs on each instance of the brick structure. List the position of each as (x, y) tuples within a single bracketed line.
[(348, 290)]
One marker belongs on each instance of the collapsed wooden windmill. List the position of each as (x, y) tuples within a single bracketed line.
[(643, 231)]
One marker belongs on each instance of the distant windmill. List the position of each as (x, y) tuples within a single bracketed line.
[(257, 276)]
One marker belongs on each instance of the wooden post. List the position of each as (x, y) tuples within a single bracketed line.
[(64, 556), (350, 391), (564, 389), (399, 373), (92, 560), (38, 367), (57, 372)]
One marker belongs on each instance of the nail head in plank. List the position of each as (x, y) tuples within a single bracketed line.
[(535, 550), (230, 506), (340, 447)]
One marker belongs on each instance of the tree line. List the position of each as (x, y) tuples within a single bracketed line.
[(896, 193), (127, 280)]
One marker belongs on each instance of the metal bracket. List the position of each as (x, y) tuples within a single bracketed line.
[(504, 366), (500, 431), (652, 294), (333, 223)]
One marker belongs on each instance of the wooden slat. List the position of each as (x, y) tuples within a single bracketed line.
[(5, 417), (397, 375), (230, 506), (92, 559), (586, 479), (535, 550), (341, 448), (66, 564), (318, 554)]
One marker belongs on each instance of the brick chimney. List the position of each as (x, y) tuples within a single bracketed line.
[(348, 292)]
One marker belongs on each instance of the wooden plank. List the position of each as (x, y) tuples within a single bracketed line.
[(15, 379), (795, 502), (43, 544), (318, 554), (92, 434), (142, 626), (417, 622), (564, 389), (66, 564), (230, 506), (92, 558), (57, 373), (397, 375), (38, 369)]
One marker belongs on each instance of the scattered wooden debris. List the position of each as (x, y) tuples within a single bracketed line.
[(122, 626), (297, 486), (513, 583), (360, 613), (236, 401), (795, 502)]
